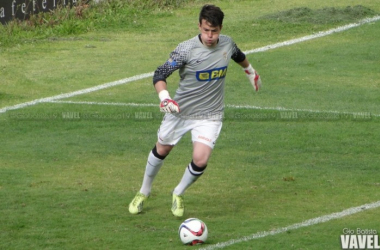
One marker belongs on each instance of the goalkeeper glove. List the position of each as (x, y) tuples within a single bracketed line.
[(253, 77), (167, 105)]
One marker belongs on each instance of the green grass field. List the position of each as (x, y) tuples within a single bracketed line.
[(305, 146)]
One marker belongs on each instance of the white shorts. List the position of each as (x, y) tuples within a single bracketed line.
[(173, 128)]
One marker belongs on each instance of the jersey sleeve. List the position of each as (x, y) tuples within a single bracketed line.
[(237, 55), (176, 60)]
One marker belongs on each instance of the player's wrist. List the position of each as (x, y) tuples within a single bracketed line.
[(249, 70), (163, 95), (253, 77)]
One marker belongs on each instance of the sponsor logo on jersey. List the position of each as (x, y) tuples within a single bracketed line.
[(212, 74)]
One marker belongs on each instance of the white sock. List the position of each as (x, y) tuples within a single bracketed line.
[(152, 167), (188, 178)]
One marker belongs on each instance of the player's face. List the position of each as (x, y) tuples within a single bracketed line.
[(209, 33)]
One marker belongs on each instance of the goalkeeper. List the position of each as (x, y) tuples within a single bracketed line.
[(197, 105)]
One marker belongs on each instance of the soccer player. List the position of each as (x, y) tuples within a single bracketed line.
[(198, 103)]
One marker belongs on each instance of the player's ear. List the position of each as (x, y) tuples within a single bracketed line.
[(221, 26)]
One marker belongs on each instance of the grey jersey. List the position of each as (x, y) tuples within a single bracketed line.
[(202, 71)]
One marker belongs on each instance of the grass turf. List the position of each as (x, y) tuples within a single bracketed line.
[(66, 182)]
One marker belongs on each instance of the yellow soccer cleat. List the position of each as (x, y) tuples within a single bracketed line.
[(178, 206), (136, 205)]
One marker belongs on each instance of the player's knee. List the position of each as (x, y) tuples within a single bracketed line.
[(163, 150), (200, 163)]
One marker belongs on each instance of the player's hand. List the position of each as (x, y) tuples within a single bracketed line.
[(169, 106), (253, 77)]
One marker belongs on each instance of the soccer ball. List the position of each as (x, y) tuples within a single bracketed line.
[(193, 231)]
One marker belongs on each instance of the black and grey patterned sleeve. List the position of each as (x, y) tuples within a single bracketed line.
[(164, 71), (176, 60), (237, 55)]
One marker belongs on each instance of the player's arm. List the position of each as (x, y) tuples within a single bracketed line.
[(176, 60), (240, 58), (167, 104), (160, 86)]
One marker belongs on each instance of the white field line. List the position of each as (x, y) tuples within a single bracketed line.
[(298, 110), (146, 75), (108, 103), (317, 35), (75, 93), (307, 223), (227, 105)]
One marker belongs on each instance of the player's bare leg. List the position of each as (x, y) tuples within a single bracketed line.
[(201, 154), (163, 149)]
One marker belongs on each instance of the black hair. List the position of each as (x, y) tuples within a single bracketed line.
[(212, 14)]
